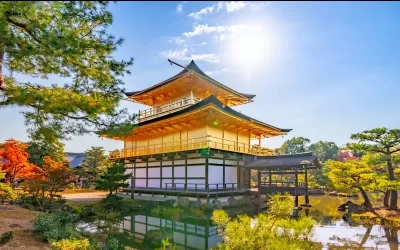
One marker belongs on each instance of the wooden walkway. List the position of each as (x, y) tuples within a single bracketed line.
[(271, 190), (187, 192)]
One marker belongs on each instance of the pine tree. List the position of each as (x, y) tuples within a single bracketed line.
[(113, 178), (95, 162), (385, 142), (66, 39)]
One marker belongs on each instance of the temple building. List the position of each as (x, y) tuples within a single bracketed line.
[(191, 138)]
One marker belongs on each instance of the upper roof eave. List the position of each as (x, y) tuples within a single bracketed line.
[(213, 100), (194, 68)]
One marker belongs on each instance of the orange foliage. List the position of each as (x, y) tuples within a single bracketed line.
[(51, 178), (15, 160)]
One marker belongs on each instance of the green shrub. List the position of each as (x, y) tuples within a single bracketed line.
[(71, 244), (87, 210), (7, 194), (6, 237), (56, 226), (112, 243), (113, 203)]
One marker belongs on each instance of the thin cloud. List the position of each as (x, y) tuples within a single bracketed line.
[(234, 6), (216, 72), (202, 12), (205, 29), (226, 32), (183, 55), (178, 40), (179, 8)]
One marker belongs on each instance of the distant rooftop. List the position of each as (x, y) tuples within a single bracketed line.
[(74, 159)]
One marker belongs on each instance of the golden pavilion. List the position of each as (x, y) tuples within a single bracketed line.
[(190, 137)]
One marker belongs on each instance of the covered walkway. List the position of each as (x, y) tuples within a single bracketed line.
[(292, 166)]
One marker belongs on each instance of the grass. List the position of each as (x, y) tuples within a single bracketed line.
[(78, 191), (18, 220), (134, 202), (381, 216)]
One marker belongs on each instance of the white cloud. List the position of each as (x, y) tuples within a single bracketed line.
[(211, 58), (204, 11), (199, 44), (179, 8), (183, 55), (216, 72), (220, 5), (177, 40), (234, 6), (205, 29)]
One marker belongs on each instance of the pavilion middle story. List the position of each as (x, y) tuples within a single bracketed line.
[(191, 137)]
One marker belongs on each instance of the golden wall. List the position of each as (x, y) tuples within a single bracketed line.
[(219, 138)]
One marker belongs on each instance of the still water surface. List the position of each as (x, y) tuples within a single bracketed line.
[(144, 231)]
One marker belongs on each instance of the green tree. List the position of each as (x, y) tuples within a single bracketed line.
[(38, 149), (295, 145), (352, 176), (271, 230), (95, 162), (321, 176), (113, 178), (382, 184), (325, 150), (382, 141), (64, 39)]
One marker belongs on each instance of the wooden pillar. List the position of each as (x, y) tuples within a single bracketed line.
[(223, 172), (259, 144), (206, 180), (259, 183), (173, 172), (161, 177), (306, 195), (296, 196), (147, 172), (132, 188), (270, 178), (186, 172)]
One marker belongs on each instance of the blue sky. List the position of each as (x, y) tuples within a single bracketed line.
[(324, 69)]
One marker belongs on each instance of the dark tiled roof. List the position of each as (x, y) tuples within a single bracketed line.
[(213, 100), (192, 66), (75, 159), (284, 161)]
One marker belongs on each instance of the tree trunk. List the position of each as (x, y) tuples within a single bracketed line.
[(365, 237), (393, 193), (393, 200), (367, 201), (391, 236), (386, 198)]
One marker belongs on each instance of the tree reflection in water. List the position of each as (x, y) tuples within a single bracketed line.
[(146, 231)]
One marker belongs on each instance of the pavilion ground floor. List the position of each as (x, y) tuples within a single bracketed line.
[(211, 173)]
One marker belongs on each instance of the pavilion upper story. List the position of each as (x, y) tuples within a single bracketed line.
[(193, 111)]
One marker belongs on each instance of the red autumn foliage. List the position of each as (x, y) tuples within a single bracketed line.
[(14, 160), (347, 156), (51, 178)]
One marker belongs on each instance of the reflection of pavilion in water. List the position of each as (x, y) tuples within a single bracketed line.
[(184, 235)]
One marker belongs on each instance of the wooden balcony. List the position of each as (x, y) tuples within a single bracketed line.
[(190, 144), (168, 108)]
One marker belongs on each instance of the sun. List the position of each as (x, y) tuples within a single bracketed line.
[(249, 47)]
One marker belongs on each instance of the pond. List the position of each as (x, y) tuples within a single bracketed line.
[(146, 231)]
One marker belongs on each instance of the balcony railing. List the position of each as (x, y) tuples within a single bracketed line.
[(195, 143), (168, 108)]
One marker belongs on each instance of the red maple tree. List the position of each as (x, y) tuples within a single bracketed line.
[(347, 156), (14, 160)]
